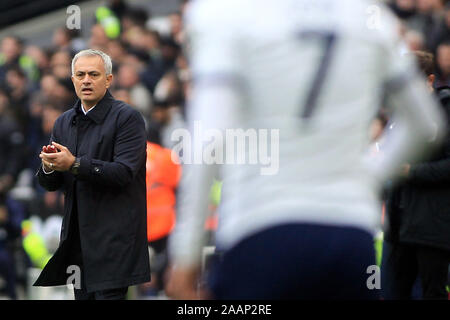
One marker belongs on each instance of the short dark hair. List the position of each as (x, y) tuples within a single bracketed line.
[(138, 15), (425, 62)]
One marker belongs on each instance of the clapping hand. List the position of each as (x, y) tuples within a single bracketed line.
[(56, 157)]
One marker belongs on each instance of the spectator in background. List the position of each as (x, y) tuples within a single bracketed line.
[(11, 146), (64, 92), (133, 17), (169, 51), (61, 38), (133, 23), (98, 39), (404, 9), (34, 131), (182, 67), (11, 55), (117, 50), (147, 44), (40, 57), (58, 91), (65, 39), (167, 114), (443, 65), (134, 37), (60, 64), (414, 40), (176, 28), (128, 78), (428, 16), (122, 94), (441, 32), (136, 58), (10, 229), (17, 86), (119, 7), (159, 119), (169, 87), (151, 43), (11, 49), (47, 83)]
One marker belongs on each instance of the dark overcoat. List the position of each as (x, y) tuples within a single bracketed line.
[(426, 195), (109, 194)]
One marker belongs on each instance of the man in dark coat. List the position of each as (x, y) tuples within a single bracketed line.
[(99, 163), (420, 215)]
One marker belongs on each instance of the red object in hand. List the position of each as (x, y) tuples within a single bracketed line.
[(50, 149)]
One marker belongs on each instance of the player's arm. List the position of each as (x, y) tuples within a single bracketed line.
[(213, 105), (419, 125), (419, 121), (215, 97)]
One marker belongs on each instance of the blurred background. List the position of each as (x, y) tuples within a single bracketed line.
[(146, 42)]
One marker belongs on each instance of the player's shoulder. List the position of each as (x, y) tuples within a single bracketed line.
[(379, 22), (200, 6), (211, 13)]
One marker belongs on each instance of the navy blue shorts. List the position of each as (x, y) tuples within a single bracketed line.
[(296, 261)]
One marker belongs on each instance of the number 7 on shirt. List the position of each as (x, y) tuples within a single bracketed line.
[(328, 39)]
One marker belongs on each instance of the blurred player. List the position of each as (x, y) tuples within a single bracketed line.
[(313, 70)]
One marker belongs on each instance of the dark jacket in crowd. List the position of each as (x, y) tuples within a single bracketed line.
[(419, 209), (11, 147), (107, 197)]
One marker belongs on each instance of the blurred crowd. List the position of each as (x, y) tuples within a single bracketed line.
[(151, 73), (426, 27)]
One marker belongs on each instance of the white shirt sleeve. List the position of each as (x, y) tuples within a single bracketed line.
[(214, 104)]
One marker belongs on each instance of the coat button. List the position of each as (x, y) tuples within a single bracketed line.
[(97, 169)]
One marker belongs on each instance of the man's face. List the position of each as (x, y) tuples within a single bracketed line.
[(10, 48), (443, 58), (90, 79)]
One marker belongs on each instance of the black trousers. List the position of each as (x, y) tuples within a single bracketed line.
[(430, 264), (296, 261)]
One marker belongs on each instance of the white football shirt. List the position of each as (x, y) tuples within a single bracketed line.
[(305, 78)]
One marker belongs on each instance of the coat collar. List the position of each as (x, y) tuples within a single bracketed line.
[(102, 107)]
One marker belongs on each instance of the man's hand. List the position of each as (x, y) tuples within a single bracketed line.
[(61, 160), (182, 284)]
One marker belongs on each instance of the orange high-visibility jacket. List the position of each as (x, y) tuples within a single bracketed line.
[(163, 176)]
